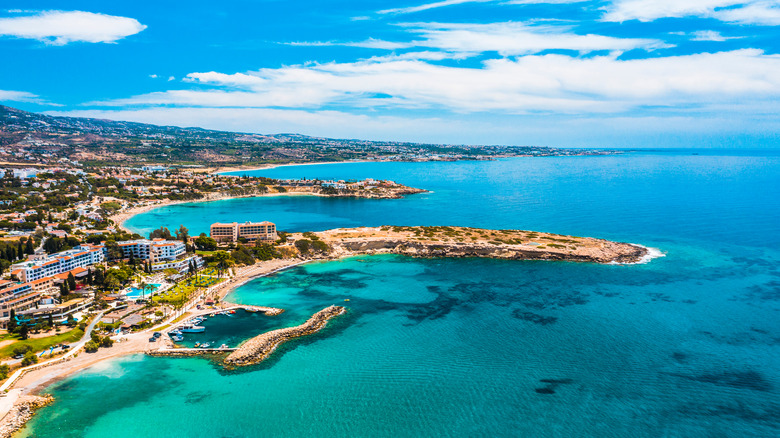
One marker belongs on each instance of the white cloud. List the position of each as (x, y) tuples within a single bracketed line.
[(62, 27), (445, 3), (511, 38), (710, 35), (764, 12), (18, 96), (508, 39), (427, 6), (153, 76), (549, 83)]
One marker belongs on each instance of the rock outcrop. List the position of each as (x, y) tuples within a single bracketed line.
[(260, 347), (473, 242)]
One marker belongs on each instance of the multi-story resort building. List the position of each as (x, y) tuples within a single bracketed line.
[(38, 277), (251, 231), (152, 250), (163, 254), (63, 262)]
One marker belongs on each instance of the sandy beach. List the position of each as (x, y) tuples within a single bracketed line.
[(16, 401)]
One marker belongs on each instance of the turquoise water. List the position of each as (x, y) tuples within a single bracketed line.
[(687, 345)]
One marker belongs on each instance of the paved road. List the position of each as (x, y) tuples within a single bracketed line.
[(73, 349)]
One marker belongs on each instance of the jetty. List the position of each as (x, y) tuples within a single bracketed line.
[(260, 347), (186, 352)]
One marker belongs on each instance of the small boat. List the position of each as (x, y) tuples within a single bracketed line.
[(174, 333), (205, 345), (251, 309), (224, 346), (197, 345), (177, 338), (191, 328)]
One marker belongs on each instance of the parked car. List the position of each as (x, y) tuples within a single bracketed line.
[(153, 339)]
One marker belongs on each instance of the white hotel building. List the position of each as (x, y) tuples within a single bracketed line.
[(82, 256), (163, 254)]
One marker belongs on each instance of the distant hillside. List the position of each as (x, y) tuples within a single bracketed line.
[(28, 136)]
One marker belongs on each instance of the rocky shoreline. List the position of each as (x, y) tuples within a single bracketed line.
[(260, 347), (21, 412), (461, 242)]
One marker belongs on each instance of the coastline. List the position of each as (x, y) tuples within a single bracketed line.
[(121, 217), (228, 169)]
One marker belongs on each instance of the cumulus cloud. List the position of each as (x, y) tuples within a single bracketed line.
[(536, 83), (18, 96), (445, 3), (508, 39), (63, 27), (763, 12), (710, 35)]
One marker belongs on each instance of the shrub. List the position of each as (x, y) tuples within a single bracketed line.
[(91, 347), (22, 349), (106, 342), (303, 245), (4, 370), (29, 359)]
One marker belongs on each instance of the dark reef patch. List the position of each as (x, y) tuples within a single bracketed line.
[(552, 385), (534, 317), (734, 379)]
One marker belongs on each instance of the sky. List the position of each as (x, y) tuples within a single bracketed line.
[(566, 73)]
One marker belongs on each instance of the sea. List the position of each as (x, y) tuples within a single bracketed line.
[(686, 345)]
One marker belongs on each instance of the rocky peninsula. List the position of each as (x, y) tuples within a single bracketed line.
[(466, 242), (260, 347)]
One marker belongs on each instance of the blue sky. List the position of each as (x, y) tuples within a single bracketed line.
[(619, 73)]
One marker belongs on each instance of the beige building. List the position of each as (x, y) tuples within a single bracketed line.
[(251, 231)]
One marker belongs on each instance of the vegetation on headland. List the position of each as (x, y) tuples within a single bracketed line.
[(97, 142)]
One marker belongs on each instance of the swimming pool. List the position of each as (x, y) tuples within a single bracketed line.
[(135, 292)]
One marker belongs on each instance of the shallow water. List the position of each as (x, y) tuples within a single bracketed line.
[(686, 345)]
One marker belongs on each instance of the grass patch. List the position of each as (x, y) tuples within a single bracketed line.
[(41, 344)]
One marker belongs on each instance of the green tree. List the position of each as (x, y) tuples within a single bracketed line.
[(4, 371), (24, 331), (183, 233), (29, 359), (29, 249), (106, 342), (161, 233), (91, 347), (100, 277), (71, 281), (205, 243), (303, 245), (12, 325)]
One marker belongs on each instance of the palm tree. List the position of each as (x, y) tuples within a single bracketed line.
[(143, 285), (223, 262)]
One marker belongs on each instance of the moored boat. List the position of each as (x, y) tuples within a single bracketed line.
[(191, 328)]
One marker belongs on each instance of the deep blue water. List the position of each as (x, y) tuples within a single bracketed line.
[(686, 345)]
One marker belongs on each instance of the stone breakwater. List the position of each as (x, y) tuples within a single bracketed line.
[(608, 252), (260, 347), (21, 412)]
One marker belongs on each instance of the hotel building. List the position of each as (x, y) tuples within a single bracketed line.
[(250, 231), (82, 256)]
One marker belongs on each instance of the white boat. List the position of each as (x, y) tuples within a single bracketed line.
[(191, 328), (205, 345), (177, 338)]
